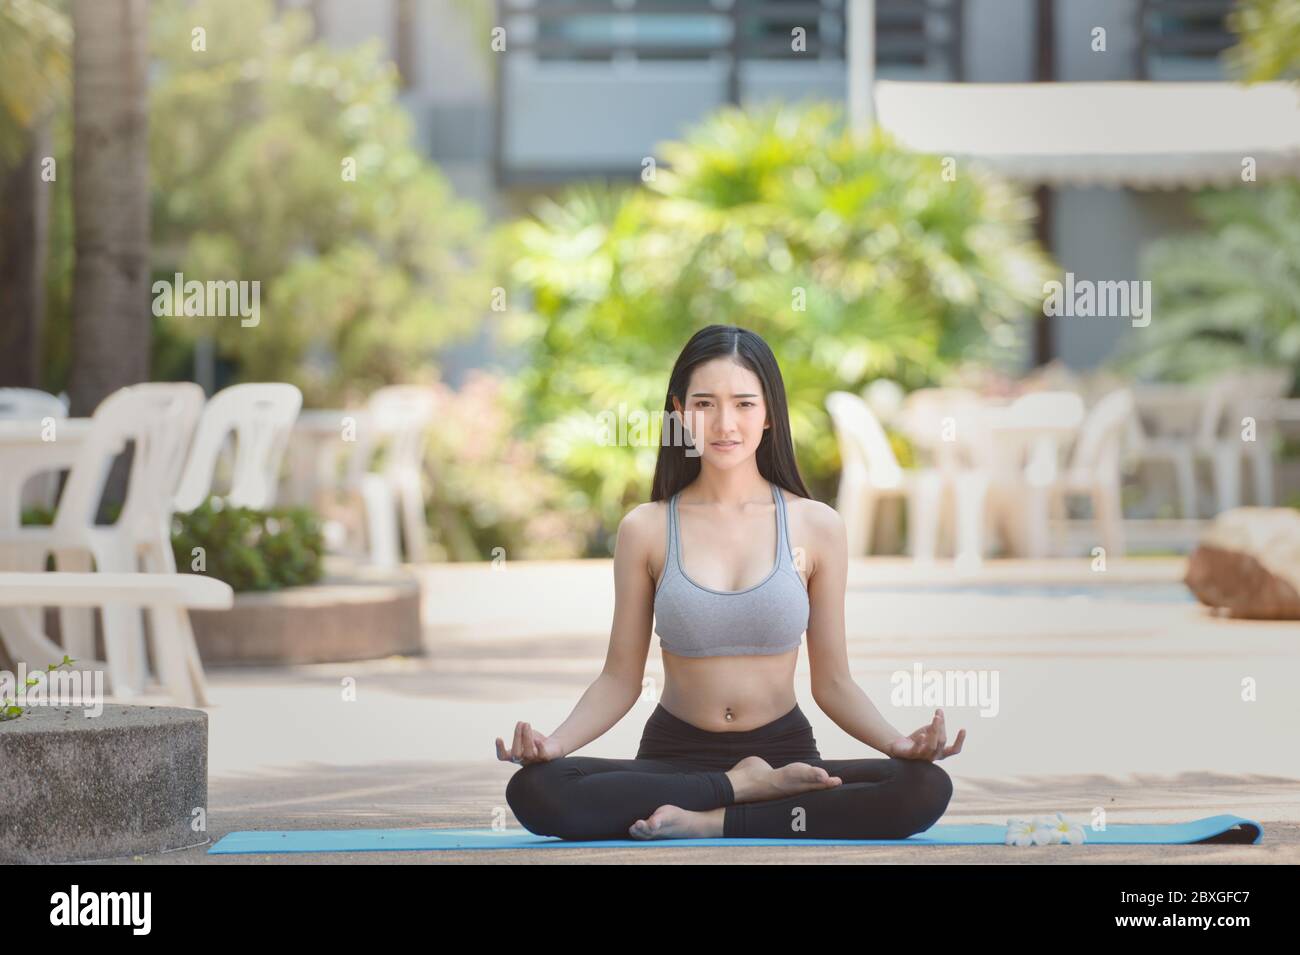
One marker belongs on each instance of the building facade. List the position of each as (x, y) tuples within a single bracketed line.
[(586, 88)]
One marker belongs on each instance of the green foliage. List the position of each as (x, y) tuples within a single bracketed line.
[(9, 710), (249, 549), (41, 515), (1226, 298), (900, 270), (35, 43), (361, 281), (1269, 40), (492, 497), (38, 515)]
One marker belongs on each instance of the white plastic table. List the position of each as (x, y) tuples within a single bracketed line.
[(1170, 410), (1027, 456), (314, 450)]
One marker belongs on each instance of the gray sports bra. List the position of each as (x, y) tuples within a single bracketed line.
[(695, 621)]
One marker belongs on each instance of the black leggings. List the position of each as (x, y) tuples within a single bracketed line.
[(679, 764)]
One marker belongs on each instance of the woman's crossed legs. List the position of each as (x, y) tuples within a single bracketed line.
[(588, 797), (591, 797), (881, 798)]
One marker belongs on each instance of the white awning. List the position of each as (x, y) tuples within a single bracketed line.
[(1134, 134)]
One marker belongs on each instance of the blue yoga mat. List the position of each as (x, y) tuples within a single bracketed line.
[(1210, 829)]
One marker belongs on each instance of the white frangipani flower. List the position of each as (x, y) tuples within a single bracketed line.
[(1020, 832), (1044, 831), (1066, 832)]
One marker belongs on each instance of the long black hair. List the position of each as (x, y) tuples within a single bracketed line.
[(674, 468)]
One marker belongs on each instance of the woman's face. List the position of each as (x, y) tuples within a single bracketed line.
[(725, 413)]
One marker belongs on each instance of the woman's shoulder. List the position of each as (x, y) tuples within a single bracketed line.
[(646, 511), (644, 521), (815, 526), (816, 514), (642, 537), (815, 529)]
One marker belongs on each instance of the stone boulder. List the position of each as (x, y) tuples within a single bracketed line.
[(1248, 563)]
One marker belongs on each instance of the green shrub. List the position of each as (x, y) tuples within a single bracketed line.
[(40, 515), (854, 259), (249, 549)]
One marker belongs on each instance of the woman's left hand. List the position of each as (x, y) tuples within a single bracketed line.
[(927, 742)]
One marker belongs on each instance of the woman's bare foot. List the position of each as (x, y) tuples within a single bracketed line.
[(671, 822), (754, 780)]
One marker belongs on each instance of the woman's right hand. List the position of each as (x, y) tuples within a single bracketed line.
[(529, 746)]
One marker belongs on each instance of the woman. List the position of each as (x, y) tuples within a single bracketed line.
[(728, 752)]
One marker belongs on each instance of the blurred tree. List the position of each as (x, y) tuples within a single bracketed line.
[(110, 194), (290, 163), (854, 260), (1269, 40), (35, 38)]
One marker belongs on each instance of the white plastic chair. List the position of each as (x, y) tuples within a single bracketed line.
[(1095, 466), (30, 404), (1197, 424), (871, 473), (1174, 414), (159, 419), (1234, 397), (19, 404), (397, 421), (260, 416)]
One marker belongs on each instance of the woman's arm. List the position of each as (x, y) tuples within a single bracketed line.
[(832, 684), (617, 688)]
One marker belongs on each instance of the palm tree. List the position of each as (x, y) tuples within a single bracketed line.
[(1230, 295), (34, 41), (110, 298)]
